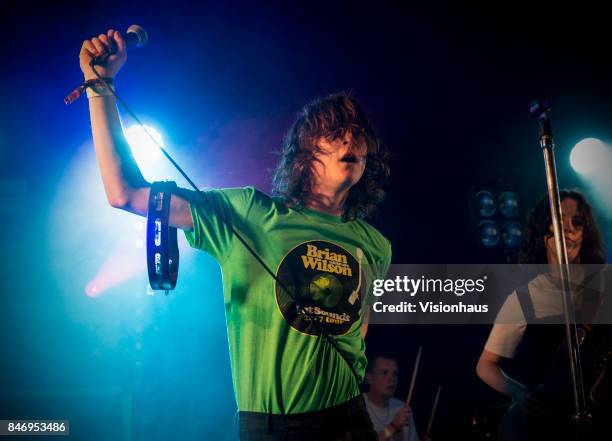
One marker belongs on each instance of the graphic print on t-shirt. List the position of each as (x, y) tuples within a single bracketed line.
[(324, 281)]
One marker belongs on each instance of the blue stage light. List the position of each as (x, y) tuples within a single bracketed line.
[(512, 234), (508, 204), (489, 233), (485, 203), (143, 148)]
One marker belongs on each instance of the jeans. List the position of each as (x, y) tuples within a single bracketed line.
[(347, 421)]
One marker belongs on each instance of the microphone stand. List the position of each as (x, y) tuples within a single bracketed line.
[(540, 110)]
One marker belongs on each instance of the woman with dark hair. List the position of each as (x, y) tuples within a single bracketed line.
[(584, 242), (295, 327), (518, 357)]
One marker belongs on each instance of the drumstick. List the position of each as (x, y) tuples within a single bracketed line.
[(414, 374), (433, 412)]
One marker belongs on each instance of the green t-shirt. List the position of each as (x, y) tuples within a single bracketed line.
[(280, 363)]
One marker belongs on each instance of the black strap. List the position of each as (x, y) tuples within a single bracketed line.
[(522, 293), (162, 244)]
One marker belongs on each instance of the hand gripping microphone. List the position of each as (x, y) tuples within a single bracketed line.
[(135, 36)]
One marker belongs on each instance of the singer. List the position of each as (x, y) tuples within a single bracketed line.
[(295, 338)]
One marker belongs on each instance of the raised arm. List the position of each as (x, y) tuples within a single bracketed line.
[(124, 184)]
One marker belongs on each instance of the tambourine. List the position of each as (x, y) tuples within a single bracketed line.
[(162, 245)]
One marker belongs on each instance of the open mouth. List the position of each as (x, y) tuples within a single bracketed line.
[(349, 157)]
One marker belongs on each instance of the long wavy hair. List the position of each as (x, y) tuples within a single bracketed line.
[(331, 117), (538, 228)]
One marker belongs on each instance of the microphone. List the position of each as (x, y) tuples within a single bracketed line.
[(136, 36)]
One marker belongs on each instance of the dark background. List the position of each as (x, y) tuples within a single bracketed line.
[(448, 90)]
